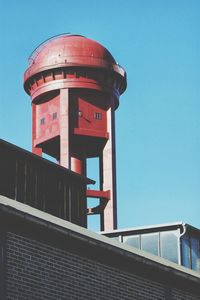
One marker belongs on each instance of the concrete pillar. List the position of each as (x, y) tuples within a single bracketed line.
[(64, 129), (109, 215)]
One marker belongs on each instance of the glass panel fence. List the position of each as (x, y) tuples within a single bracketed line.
[(149, 243), (132, 240), (169, 245)]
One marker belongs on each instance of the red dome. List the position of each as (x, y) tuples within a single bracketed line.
[(70, 50)]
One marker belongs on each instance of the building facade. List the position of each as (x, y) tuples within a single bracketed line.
[(32, 180), (45, 257)]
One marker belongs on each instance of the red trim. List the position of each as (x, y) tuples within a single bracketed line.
[(98, 194), (95, 133)]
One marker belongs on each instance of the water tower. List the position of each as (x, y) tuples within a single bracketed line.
[(75, 84)]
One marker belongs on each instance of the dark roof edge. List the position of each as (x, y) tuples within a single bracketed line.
[(46, 161)]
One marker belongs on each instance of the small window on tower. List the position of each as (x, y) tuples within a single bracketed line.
[(42, 121), (98, 116), (54, 115), (80, 113)]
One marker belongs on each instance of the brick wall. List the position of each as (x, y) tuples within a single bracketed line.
[(37, 270)]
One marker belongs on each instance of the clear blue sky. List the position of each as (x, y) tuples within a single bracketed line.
[(158, 120)]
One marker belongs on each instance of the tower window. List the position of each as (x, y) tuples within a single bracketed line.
[(98, 116), (42, 121), (80, 113), (54, 115)]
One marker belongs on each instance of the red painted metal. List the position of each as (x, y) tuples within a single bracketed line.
[(75, 84), (98, 194)]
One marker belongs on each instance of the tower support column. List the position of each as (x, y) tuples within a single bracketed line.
[(108, 170), (35, 150), (65, 160)]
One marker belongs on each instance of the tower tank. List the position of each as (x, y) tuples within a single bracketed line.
[(75, 84)]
